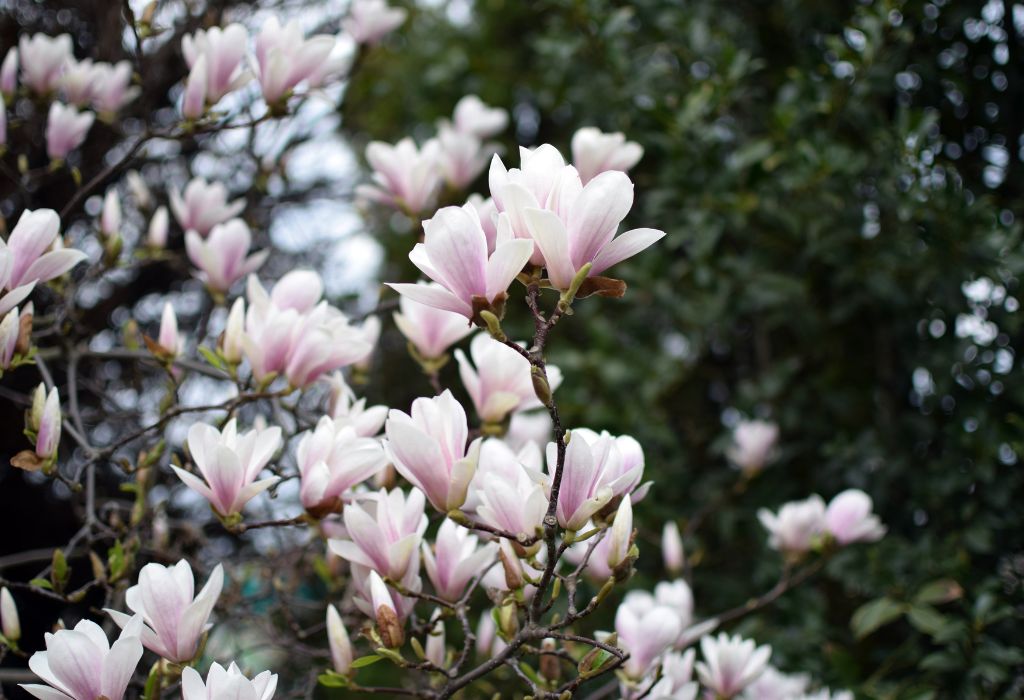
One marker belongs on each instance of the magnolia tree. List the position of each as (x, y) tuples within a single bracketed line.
[(463, 545)]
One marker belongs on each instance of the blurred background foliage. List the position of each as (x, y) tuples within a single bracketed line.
[(839, 182)]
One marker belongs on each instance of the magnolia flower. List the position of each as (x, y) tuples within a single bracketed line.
[(753, 443), (222, 258), (594, 152), (111, 91), (797, 527), (175, 617), (849, 518), (455, 559), (775, 685), (531, 429), (193, 99), (231, 341), (404, 177), (594, 473), (386, 616), (223, 54), (345, 409), (230, 461), (65, 130), (730, 663), (434, 649), (386, 537), (43, 59), (48, 434), (77, 82), (333, 459), (203, 206), (11, 333), (10, 625), (110, 217), (285, 58), (156, 234), (230, 683), (676, 678), (672, 548), (620, 538), (488, 213), (461, 157), (429, 449), (429, 330), (337, 64), (24, 259), (172, 342), (337, 638), (454, 254), (9, 73), (80, 664), (139, 189), (369, 21), (646, 634), (509, 496), (677, 595), (473, 116), (502, 381)]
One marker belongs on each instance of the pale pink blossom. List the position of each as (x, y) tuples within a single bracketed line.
[(168, 337), (404, 176), (455, 559), (594, 152), (224, 683), (156, 233), (338, 641), (77, 82), (473, 116), (461, 157), (676, 678), (66, 129), (175, 616), (110, 216), (435, 649), (9, 72), (619, 538), (232, 344), (223, 52), (222, 258), (429, 447), (203, 205), (672, 548), (193, 99), (849, 518), (730, 664), (81, 664), (646, 633), (284, 58), (385, 531), (230, 463), (772, 684), (369, 21), (10, 329), (797, 527), (112, 88), (488, 213), (10, 624), (753, 445), (139, 189), (454, 254), (332, 459), (43, 59), (337, 64), (48, 435), (502, 380), (26, 257), (431, 331), (346, 409), (508, 495)]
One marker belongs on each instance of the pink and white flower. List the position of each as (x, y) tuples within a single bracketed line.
[(223, 257), (203, 205), (595, 152), (772, 684), (730, 664), (226, 683), (798, 526), (175, 617), (9, 73), (66, 129), (337, 639), (284, 57), (405, 177), (33, 254), (506, 494), (473, 116), (849, 519), (646, 632), (455, 559), (112, 88), (502, 380), (345, 409), (430, 330), (230, 463), (48, 435), (369, 21), (428, 447), (43, 59), (332, 459), (223, 51), (753, 445), (385, 530), (672, 548)]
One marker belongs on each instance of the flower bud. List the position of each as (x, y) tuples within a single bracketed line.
[(169, 338), (110, 218), (9, 73), (139, 189), (508, 619), (621, 537), (388, 625), (193, 104), (231, 341), (156, 235), (512, 566), (672, 548), (337, 637), (35, 416), (435, 647), (48, 435), (10, 625)]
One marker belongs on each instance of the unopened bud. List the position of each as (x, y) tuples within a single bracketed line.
[(389, 627), (672, 548), (337, 638), (512, 566), (508, 619), (10, 625)]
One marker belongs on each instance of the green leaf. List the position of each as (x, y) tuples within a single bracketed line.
[(116, 561), (330, 679), (41, 583), (366, 660), (870, 616), (212, 357), (59, 570), (927, 619), (939, 592)]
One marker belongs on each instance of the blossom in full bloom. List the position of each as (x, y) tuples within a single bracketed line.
[(730, 664), (385, 531), (405, 176), (454, 254), (112, 88), (461, 156), (223, 257), (676, 678), (454, 560), (285, 57), (66, 129), (772, 684), (81, 664), (753, 444), (500, 380), (429, 330), (175, 617), (43, 59), (230, 463), (595, 152), (203, 205), (646, 633), (345, 409), (369, 21), (223, 53), (797, 527), (473, 116), (226, 683), (31, 254), (428, 446), (508, 495), (849, 519), (332, 459)]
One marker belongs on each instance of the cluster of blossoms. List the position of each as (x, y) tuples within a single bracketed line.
[(801, 526)]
